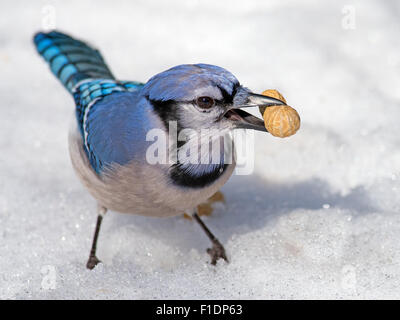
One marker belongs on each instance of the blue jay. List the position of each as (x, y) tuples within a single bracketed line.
[(108, 144)]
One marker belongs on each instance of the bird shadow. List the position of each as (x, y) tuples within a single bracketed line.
[(251, 203)]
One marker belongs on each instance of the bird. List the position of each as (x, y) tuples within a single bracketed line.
[(117, 124)]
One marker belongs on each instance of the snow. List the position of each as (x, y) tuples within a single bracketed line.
[(318, 218)]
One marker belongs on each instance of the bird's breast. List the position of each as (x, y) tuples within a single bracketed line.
[(141, 188)]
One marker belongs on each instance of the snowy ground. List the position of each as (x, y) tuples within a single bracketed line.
[(319, 217)]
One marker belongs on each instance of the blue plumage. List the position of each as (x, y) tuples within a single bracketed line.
[(87, 92), (83, 72), (116, 129), (71, 60), (181, 82), (89, 101), (109, 149)]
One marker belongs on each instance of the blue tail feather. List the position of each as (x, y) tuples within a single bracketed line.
[(71, 60)]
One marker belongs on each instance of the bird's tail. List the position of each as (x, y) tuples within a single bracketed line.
[(71, 60)]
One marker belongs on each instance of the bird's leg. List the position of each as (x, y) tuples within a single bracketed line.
[(93, 260), (217, 251)]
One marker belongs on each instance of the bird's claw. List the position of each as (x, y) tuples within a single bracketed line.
[(92, 262), (216, 252)]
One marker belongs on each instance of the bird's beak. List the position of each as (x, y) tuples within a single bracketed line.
[(245, 120)]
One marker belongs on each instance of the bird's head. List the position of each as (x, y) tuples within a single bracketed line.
[(202, 96)]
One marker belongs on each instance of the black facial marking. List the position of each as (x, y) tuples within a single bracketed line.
[(167, 111), (181, 176), (226, 97), (235, 88), (184, 175), (199, 175)]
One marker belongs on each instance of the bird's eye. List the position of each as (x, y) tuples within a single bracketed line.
[(205, 102)]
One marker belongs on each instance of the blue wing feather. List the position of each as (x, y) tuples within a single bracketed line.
[(89, 98), (102, 108), (89, 92), (115, 130)]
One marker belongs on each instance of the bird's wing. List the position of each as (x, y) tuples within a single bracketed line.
[(102, 103), (102, 108), (90, 92)]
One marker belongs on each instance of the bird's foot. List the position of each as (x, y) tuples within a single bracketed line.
[(217, 252), (92, 262)]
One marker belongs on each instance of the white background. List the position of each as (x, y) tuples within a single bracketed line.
[(319, 217)]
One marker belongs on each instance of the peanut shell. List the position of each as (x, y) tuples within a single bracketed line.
[(281, 121)]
